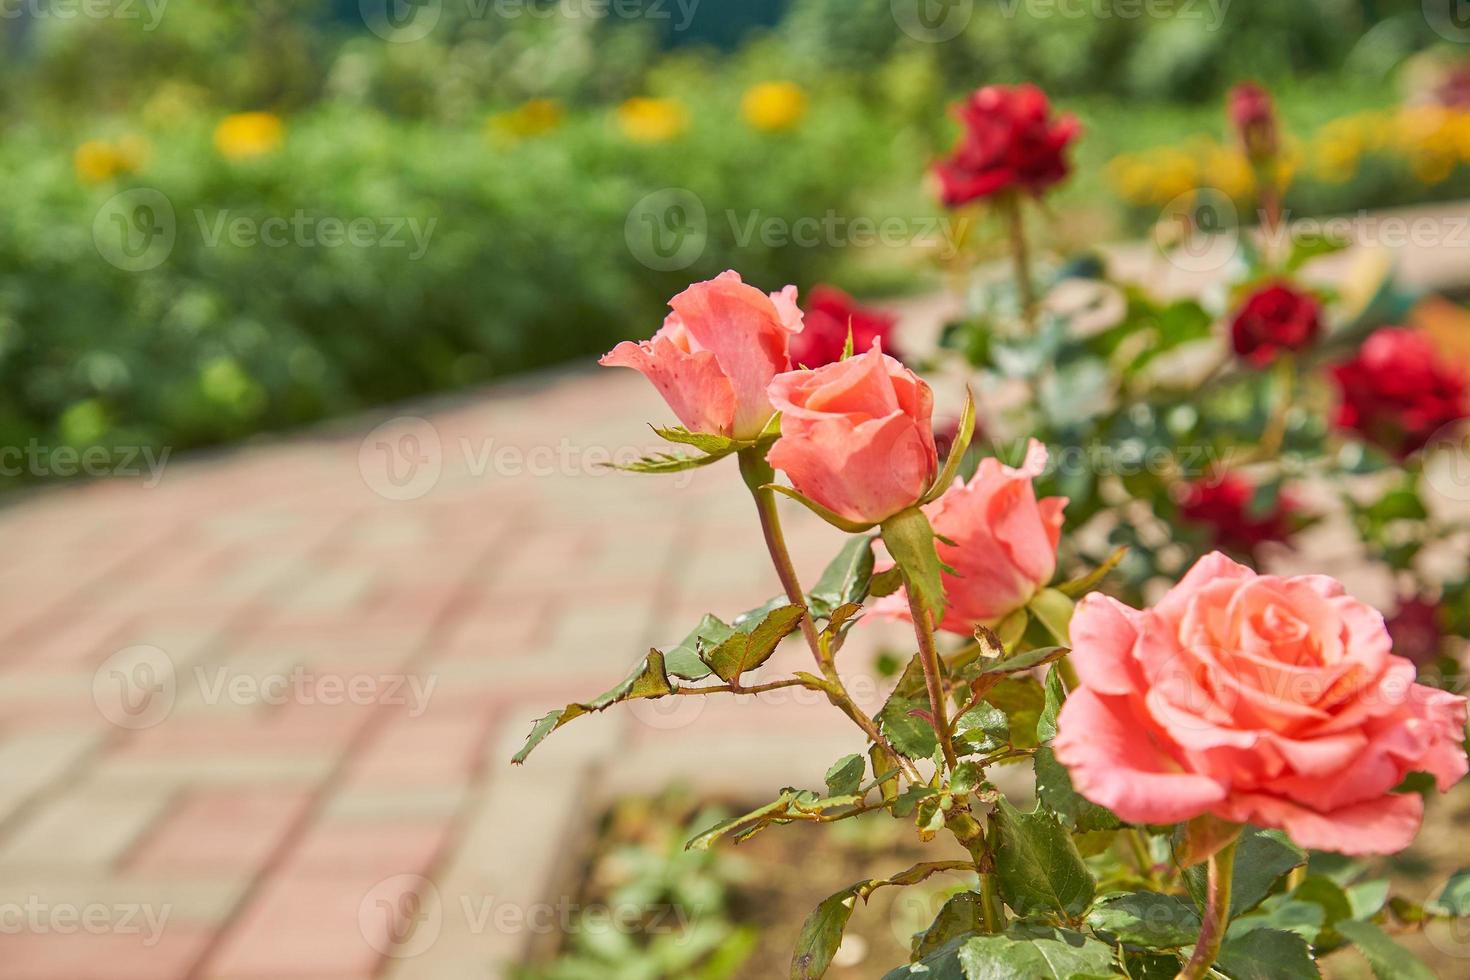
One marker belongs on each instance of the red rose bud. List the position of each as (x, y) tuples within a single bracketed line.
[(1396, 393), (1416, 631), (1273, 320), (1254, 117), (1011, 142), (829, 314), (1224, 507)]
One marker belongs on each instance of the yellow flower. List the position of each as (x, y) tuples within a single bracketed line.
[(98, 161), (647, 120), (1175, 172), (773, 106), (248, 134), (528, 119), (1131, 178), (1335, 158)]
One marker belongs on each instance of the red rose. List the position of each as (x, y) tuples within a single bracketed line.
[(1416, 631), (1225, 508), (1275, 319), (1010, 141), (1254, 118), (829, 313), (1396, 392)]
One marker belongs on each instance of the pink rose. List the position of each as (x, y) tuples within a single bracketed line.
[(1005, 544), (716, 353), (1259, 699), (856, 436)]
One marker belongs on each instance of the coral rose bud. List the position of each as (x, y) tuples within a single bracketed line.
[(1010, 142), (1005, 544), (716, 353), (856, 436), (1273, 320), (1257, 699), (1397, 393), (830, 314)]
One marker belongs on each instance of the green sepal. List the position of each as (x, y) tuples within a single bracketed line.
[(1053, 609), (957, 451), (831, 517), (1078, 587), (910, 540)]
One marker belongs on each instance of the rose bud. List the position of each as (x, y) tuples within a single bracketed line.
[(1275, 319), (1224, 507), (830, 314), (1005, 544), (1257, 699), (716, 353), (856, 436), (1010, 142), (1397, 393), (1254, 117)]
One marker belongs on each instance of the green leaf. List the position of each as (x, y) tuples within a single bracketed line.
[(1037, 864), (907, 733), (957, 450), (683, 660), (1024, 952), (1018, 664), (1022, 699), (1367, 897), (1454, 898), (820, 936), (845, 579), (1285, 914), (1054, 609), (984, 728), (1328, 895), (961, 915), (846, 775), (1267, 954), (1046, 725), (758, 817), (1261, 858), (1054, 787), (751, 644), (1147, 919), (1389, 960), (1305, 248), (648, 680), (667, 462), (910, 540)]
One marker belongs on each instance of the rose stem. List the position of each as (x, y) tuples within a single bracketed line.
[(1217, 914), (1021, 256), (929, 660), (757, 473)]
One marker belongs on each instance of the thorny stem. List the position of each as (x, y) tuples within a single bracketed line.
[(929, 660), (757, 473), (1216, 915), (740, 689)]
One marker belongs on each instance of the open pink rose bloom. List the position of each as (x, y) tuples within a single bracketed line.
[(1259, 699), (716, 353), (1005, 543)]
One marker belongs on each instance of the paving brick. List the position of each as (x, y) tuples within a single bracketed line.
[(82, 955), (219, 831), (86, 827)]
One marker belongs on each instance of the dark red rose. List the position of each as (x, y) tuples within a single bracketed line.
[(1397, 393), (1254, 117), (1416, 631), (829, 313), (1011, 141), (1275, 319), (1224, 506)]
